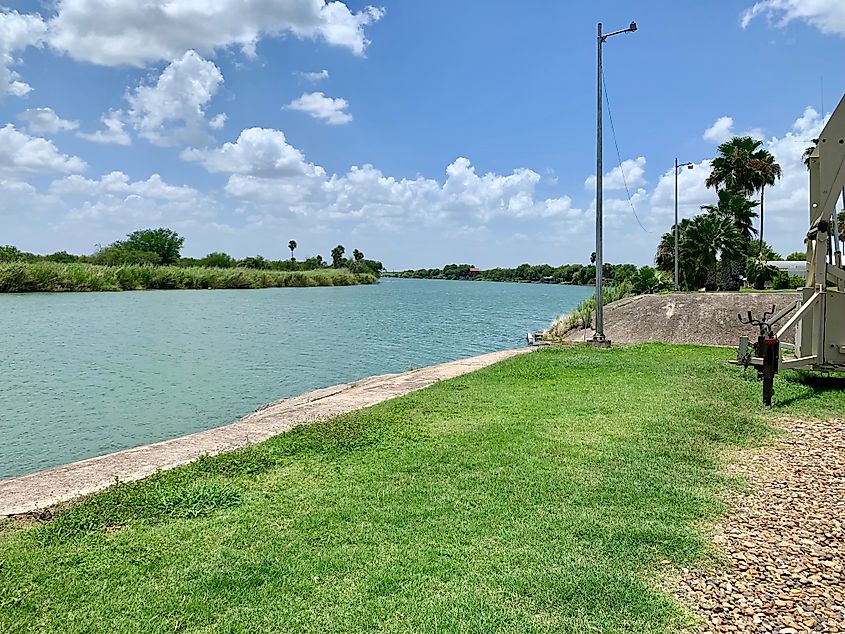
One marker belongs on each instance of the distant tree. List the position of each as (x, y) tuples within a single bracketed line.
[(337, 256), (292, 247), (319, 259), (119, 254), (219, 260), (165, 243), (797, 256), (254, 262), (357, 255), (62, 256), (9, 253)]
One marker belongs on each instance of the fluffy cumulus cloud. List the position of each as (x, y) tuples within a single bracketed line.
[(22, 155), (113, 130), (172, 110), (828, 16), (17, 32), (260, 152), (631, 173), (116, 32), (723, 130), (269, 174), (720, 131), (46, 121), (317, 105), (108, 205)]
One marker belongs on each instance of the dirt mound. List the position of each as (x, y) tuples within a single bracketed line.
[(700, 318)]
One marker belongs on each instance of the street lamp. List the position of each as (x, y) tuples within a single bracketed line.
[(599, 340), (688, 166)]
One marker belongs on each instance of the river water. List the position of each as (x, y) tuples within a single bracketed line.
[(84, 374)]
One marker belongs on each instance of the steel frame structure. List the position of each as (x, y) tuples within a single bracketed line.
[(819, 317)]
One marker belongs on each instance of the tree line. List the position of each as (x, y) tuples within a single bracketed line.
[(163, 247), (644, 279)]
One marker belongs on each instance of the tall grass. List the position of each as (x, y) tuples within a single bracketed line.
[(29, 277), (582, 316)]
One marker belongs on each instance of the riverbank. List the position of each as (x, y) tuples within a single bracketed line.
[(519, 497), (49, 277), (36, 492)]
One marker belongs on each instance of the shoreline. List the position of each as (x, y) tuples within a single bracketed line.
[(42, 490)]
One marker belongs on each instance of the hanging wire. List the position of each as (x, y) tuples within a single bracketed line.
[(619, 156)]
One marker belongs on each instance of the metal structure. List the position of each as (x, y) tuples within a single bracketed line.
[(819, 316), (599, 339), (677, 236)]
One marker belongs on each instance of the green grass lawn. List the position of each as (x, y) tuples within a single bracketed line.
[(550, 492)]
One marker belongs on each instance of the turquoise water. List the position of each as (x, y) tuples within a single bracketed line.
[(84, 374)]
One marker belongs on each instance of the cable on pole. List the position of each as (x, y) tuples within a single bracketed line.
[(619, 156)]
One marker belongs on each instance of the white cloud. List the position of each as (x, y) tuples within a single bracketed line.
[(22, 155), (46, 121), (631, 172), (315, 76), (173, 109), (258, 152), (17, 32), (218, 121), (108, 206), (274, 178), (720, 131), (113, 132), (317, 105), (115, 32), (828, 16), (723, 130)]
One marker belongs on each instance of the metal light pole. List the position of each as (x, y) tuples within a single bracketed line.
[(677, 165), (599, 340)]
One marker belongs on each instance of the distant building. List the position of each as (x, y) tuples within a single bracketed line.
[(474, 271), (791, 267)]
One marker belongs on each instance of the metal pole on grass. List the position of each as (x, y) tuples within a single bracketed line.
[(599, 339)]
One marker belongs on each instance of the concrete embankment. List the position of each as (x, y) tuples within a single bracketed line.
[(697, 318), (42, 490)]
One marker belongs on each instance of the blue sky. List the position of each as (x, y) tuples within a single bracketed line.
[(428, 132)]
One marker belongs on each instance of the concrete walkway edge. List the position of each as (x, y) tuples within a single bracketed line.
[(38, 491)]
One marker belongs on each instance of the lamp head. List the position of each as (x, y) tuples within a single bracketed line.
[(690, 166), (633, 26)]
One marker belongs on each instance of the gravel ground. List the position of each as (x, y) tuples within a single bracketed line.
[(783, 545)]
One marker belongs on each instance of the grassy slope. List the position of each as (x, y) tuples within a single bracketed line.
[(520, 498), (24, 277)]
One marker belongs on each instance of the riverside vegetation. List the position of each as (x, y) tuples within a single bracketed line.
[(492, 502), (151, 259)]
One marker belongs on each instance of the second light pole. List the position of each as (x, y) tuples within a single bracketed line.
[(599, 339), (678, 165)]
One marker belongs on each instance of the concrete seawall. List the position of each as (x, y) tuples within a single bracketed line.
[(38, 491)]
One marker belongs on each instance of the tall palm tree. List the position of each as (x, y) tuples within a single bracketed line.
[(744, 166), (292, 247), (732, 168), (767, 172), (738, 209)]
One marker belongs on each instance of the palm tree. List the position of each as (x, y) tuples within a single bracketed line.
[(767, 171), (292, 247), (744, 166), (708, 239), (732, 168), (738, 209)]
